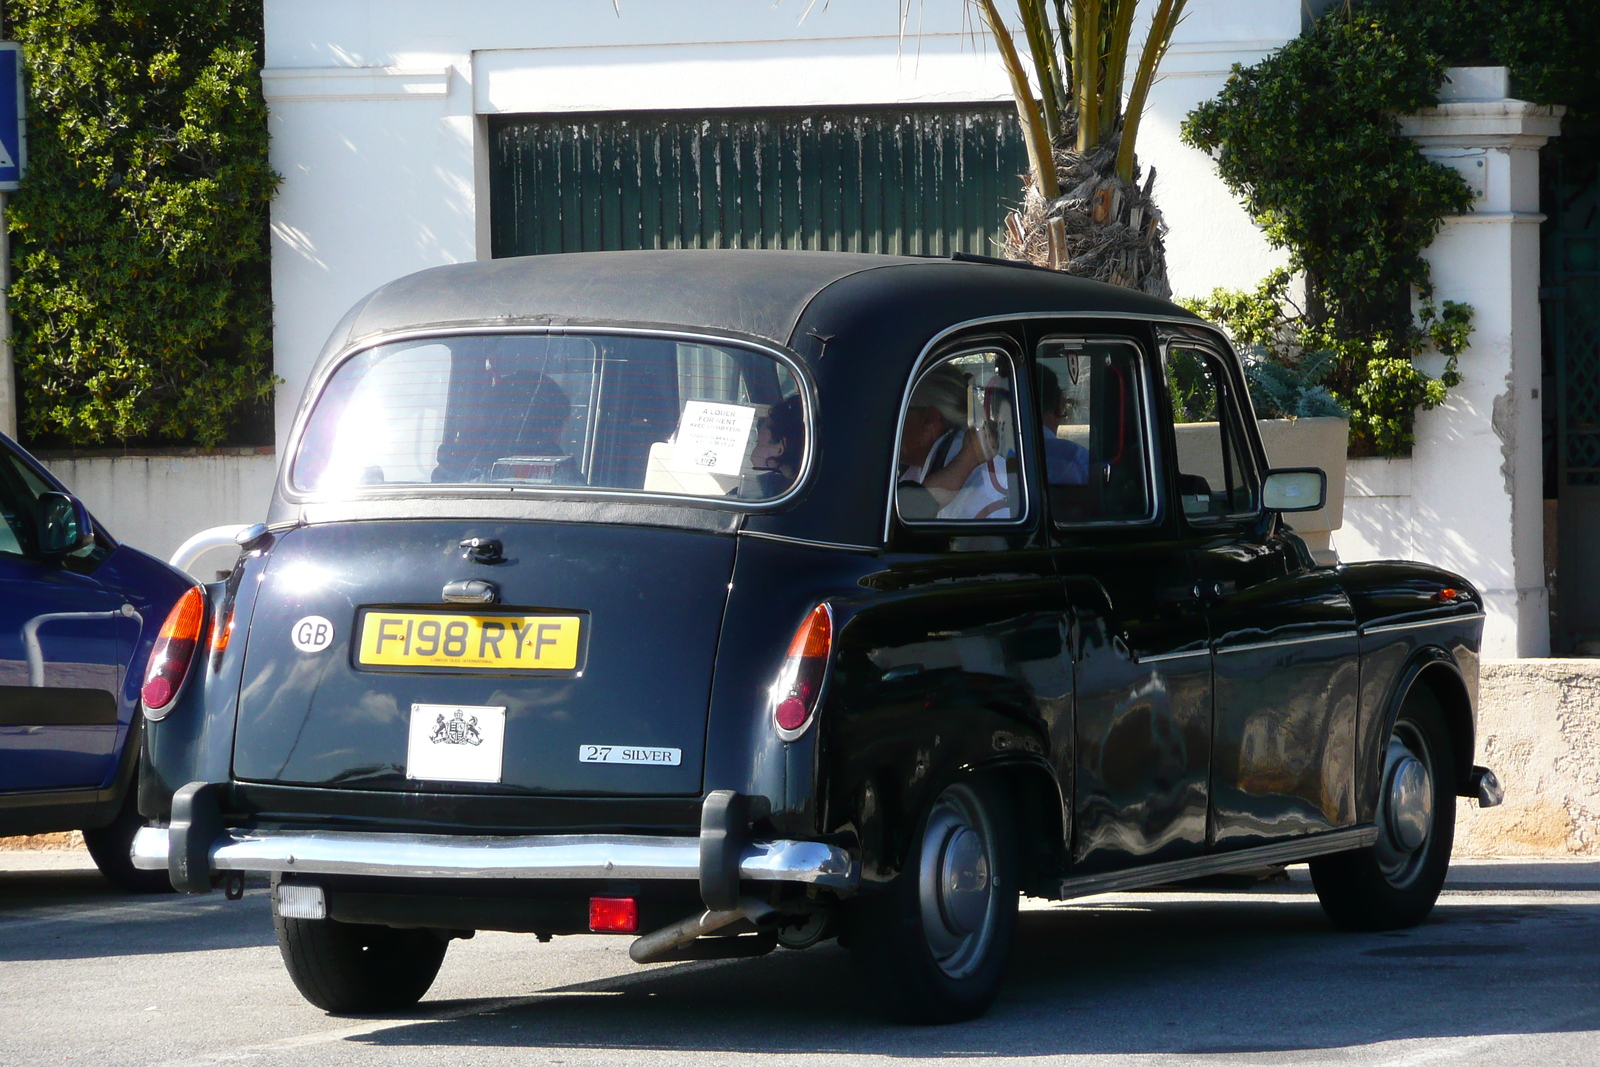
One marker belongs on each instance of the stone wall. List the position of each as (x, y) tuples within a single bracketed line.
[(1539, 730)]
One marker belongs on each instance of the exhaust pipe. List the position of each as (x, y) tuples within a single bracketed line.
[(662, 945)]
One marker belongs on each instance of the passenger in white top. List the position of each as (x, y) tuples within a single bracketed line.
[(938, 451)]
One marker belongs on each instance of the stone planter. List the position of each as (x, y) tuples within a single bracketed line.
[(1318, 442)]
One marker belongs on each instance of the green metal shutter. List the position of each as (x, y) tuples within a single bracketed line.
[(923, 181)]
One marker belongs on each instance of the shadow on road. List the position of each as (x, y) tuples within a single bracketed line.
[(1230, 972), (77, 914), (1156, 977)]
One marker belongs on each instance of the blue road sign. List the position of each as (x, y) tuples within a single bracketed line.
[(13, 125)]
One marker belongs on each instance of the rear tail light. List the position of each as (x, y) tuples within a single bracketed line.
[(173, 652), (614, 915), (794, 695)]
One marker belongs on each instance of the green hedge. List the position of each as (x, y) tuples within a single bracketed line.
[(1309, 140), (140, 261)]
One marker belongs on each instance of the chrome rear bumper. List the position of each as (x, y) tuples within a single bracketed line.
[(567, 856)]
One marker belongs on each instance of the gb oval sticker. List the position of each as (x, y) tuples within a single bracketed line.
[(312, 634)]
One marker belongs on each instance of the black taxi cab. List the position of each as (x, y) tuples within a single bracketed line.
[(736, 599)]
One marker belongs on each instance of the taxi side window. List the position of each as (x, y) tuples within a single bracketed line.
[(958, 458), (1215, 476), (1091, 416)]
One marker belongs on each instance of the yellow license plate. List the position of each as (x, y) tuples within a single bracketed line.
[(471, 642)]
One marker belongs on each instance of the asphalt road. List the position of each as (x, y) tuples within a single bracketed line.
[(1506, 973)]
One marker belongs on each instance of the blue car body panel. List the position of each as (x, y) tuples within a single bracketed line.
[(73, 647)]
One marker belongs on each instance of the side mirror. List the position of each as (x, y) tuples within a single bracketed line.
[(64, 524), (1295, 489)]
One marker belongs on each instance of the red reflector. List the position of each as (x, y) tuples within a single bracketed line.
[(613, 915), (790, 713)]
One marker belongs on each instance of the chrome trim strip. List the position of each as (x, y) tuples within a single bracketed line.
[(1292, 851), (1348, 634), (1419, 624), (544, 857), (1168, 657), (806, 542), (313, 390)]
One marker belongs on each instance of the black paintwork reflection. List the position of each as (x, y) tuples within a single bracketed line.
[(951, 662), (1287, 679), (1143, 731)]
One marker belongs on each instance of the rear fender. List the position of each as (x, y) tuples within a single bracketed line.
[(193, 742), (885, 763), (775, 587)]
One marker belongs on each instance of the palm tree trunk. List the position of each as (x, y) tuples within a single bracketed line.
[(1093, 216), (1168, 12), (1034, 133), (1086, 80)]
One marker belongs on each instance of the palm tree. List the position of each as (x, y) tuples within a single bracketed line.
[(1084, 209)]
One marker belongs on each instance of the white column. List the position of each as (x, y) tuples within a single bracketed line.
[(1477, 477)]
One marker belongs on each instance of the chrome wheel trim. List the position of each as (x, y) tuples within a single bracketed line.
[(1405, 806), (955, 882)]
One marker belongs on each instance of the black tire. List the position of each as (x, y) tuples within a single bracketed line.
[(1394, 884), (930, 955), (350, 968), (112, 848)]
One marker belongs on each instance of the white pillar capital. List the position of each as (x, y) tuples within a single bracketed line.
[(1484, 124)]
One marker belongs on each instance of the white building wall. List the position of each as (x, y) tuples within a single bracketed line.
[(1471, 497), (377, 116)]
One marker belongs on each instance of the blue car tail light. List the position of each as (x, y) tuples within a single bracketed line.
[(174, 651)]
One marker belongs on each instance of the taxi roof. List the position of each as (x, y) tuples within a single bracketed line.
[(757, 293)]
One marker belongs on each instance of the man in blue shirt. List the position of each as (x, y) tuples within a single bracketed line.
[(1066, 462)]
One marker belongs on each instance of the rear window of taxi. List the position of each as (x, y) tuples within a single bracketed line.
[(639, 413)]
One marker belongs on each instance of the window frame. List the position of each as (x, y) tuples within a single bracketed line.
[(498, 491), (1008, 347), (1246, 444), (1152, 442)]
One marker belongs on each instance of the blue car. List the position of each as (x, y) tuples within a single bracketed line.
[(78, 616)]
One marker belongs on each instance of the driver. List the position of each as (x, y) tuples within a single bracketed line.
[(1066, 462)]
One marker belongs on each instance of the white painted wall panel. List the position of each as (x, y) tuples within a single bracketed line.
[(156, 502)]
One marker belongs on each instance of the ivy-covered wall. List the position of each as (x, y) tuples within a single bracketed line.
[(140, 289), (1309, 141)]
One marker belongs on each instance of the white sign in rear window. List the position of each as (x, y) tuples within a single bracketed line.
[(713, 437)]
